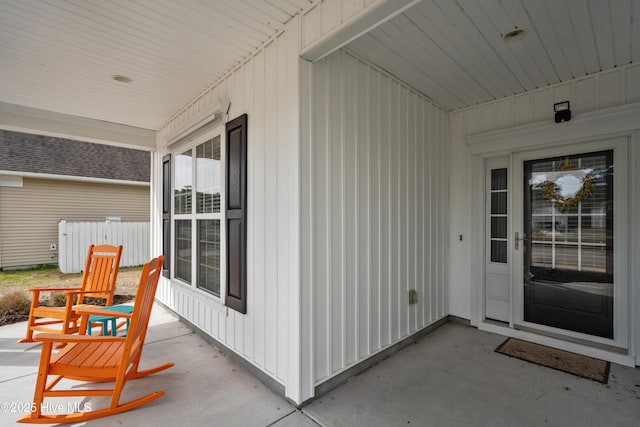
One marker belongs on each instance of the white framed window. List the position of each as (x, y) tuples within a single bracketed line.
[(198, 213)]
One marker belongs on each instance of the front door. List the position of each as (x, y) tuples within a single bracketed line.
[(568, 248), (569, 270)]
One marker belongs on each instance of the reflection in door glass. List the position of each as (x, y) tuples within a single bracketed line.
[(569, 257)]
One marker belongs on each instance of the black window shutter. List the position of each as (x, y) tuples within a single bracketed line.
[(236, 227), (166, 214)]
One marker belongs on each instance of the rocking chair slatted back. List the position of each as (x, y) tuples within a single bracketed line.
[(98, 281), (100, 273)]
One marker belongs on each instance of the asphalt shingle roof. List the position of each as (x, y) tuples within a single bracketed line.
[(25, 152)]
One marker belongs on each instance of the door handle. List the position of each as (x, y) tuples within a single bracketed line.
[(517, 239)]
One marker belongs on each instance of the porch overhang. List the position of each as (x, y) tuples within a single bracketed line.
[(32, 120)]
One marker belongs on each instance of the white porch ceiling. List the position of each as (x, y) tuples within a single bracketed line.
[(59, 55), (452, 50)]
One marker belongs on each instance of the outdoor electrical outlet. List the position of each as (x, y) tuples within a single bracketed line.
[(413, 296), (53, 246)]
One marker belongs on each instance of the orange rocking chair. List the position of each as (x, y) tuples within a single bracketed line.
[(98, 281), (97, 359)]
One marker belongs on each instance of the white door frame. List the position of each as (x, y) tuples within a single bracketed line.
[(584, 129)]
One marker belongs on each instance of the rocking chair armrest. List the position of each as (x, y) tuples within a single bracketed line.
[(38, 290), (102, 311), (69, 338), (79, 291)]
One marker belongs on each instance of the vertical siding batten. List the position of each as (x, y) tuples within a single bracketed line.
[(349, 212), (444, 136), (404, 142), (283, 152), (395, 215), (356, 216), (295, 362), (270, 276), (336, 323), (256, 221), (318, 235), (337, 86), (363, 183), (343, 215), (307, 349), (411, 212), (386, 211), (328, 238), (249, 334), (374, 213), (433, 244), (423, 319)]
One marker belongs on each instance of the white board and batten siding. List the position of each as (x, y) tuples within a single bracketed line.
[(265, 87), (374, 212), (74, 239)]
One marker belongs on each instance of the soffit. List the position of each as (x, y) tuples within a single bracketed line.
[(60, 55), (453, 52)]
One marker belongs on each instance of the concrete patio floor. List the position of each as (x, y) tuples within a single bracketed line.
[(451, 377)]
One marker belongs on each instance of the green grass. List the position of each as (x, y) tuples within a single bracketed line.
[(14, 283), (50, 276), (8, 274), (47, 275)]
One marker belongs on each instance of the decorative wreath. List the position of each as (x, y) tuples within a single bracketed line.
[(549, 188)]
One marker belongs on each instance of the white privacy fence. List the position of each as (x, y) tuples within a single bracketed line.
[(74, 239)]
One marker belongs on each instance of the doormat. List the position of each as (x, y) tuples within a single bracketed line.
[(582, 366)]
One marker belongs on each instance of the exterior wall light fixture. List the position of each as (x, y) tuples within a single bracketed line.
[(562, 111)]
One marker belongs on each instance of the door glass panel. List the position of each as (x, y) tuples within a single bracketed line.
[(498, 232), (569, 252)]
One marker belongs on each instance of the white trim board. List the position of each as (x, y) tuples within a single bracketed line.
[(74, 178), (634, 250)]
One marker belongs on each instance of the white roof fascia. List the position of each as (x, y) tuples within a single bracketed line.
[(75, 178)]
